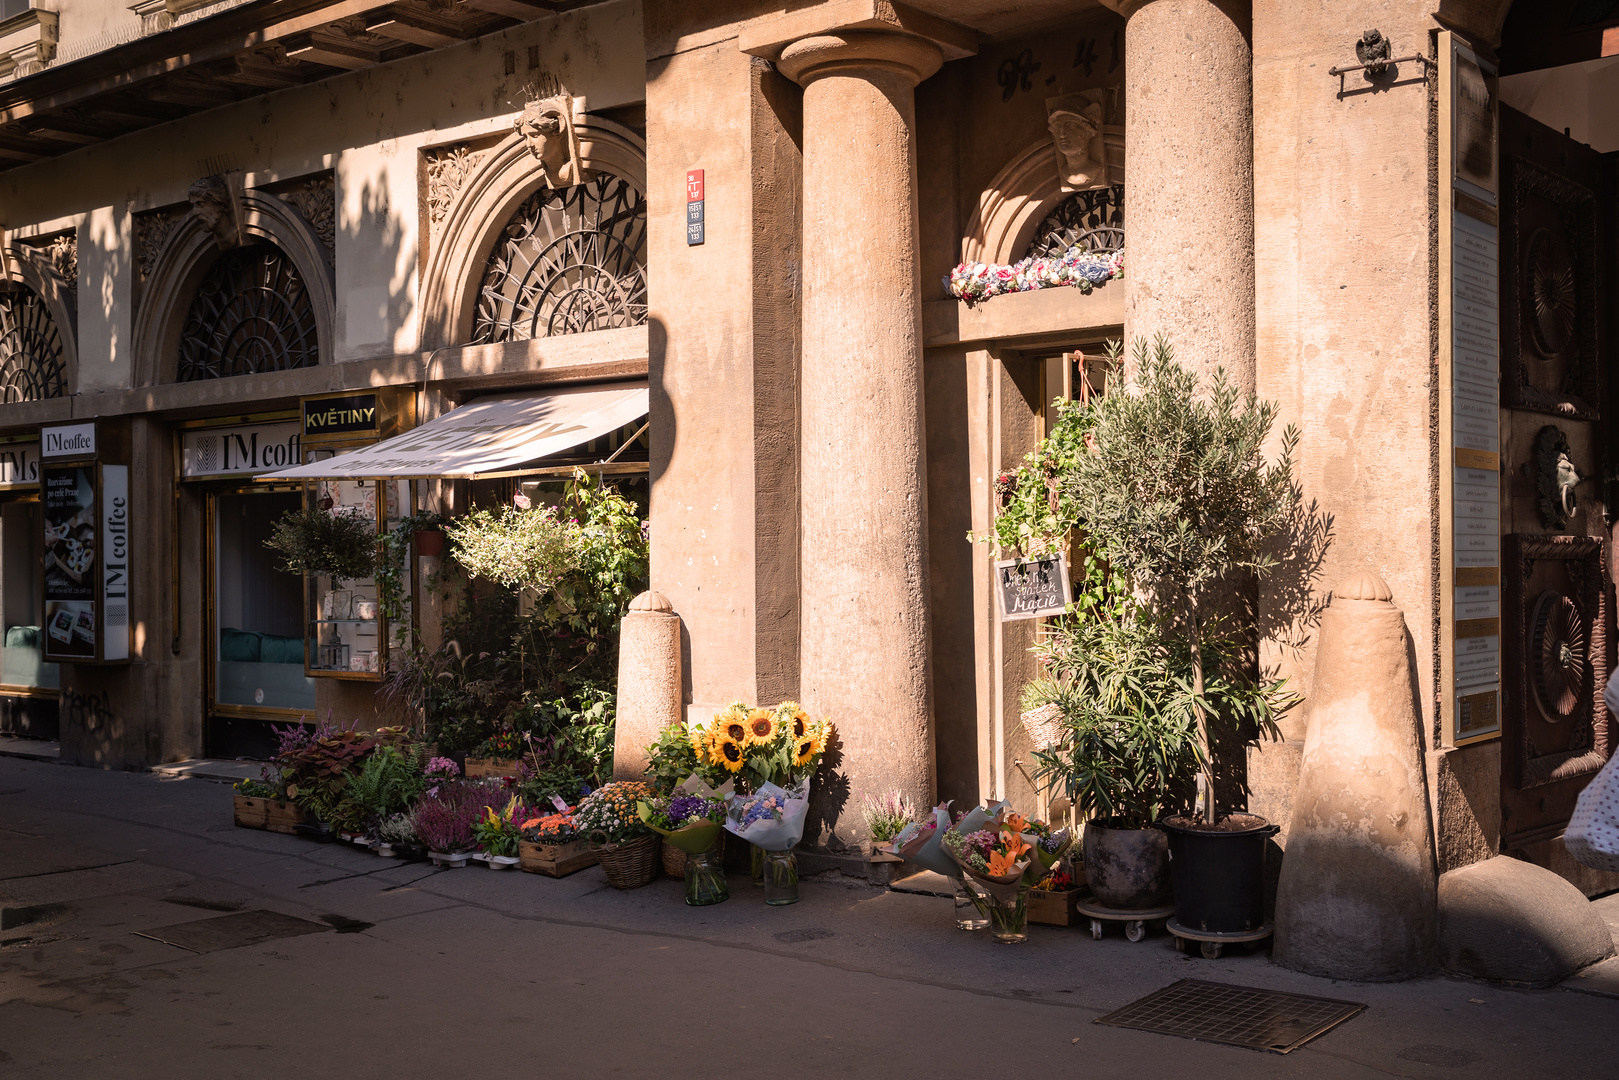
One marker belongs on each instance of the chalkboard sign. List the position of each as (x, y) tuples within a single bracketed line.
[(1031, 588)]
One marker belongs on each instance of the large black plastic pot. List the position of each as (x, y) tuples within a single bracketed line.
[(1219, 874), (1126, 868)]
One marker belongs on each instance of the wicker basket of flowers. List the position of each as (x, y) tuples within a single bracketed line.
[(625, 847)]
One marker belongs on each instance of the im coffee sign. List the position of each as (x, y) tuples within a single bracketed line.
[(1030, 588)]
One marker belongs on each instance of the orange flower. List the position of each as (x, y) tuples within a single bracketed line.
[(1016, 823), (1000, 865), (1014, 844)]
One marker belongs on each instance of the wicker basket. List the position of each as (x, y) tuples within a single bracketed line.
[(631, 864), (674, 860)]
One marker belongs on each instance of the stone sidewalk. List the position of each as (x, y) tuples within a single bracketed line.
[(466, 972)]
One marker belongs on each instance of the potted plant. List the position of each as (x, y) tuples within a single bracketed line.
[(498, 834), (551, 844), (625, 847), (396, 839), (341, 546), (386, 783), (1173, 496), (443, 819), (250, 803)]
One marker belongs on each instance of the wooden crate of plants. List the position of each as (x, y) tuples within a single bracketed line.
[(249, 812), (283, 817), (555, 860), (490, 766)]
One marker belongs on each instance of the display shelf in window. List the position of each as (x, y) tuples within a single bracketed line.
[(349, 630)]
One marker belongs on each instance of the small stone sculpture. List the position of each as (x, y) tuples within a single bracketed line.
[(216, 204), (547, 126), (1373, 50), (1077, 133)]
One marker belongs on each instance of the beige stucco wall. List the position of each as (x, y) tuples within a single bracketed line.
[(367, 126)]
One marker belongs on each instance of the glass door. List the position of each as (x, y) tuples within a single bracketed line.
[(257, 608), (22, 560)]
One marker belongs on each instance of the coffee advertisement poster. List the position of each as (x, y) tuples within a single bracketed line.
[(69, 497)]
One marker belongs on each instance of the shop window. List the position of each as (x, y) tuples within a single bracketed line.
[(252, 314), (258, 608), (1091, 220), (22, 561), (31, 362), (568, 261)]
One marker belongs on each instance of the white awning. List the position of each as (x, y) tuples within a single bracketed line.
[(489, 435)]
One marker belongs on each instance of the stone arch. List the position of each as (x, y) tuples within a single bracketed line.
[(1015, 202), (491, 194), (186, 257), (34, 269)]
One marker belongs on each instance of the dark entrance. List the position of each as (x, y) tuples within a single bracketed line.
[(1558, 453)]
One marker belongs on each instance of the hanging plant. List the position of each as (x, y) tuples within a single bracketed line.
[(517, 548), (314, 541)]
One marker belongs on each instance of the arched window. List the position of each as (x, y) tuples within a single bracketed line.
[(32, 365), (1089, 220), (568, 261), (251, 314)]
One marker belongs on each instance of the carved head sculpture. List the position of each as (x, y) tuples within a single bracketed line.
[(547, 126), (1556, 477), (217, 210), (1568, 477), (1077, 135)]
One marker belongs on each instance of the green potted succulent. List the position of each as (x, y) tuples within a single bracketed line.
[(1170, 492)]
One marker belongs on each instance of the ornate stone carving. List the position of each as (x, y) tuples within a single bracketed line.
[(216, 202), (316, 200), (447, 171), (1373, 50), (1555, 478), (152, 229), (1090, 152), (547, 127), (62, 253)]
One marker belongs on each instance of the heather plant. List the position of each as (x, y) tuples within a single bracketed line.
[(886, 814), (443, 819)]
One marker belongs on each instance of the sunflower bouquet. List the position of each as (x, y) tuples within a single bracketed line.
[(780, 746)]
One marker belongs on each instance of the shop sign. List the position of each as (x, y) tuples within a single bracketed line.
[(352, 414), (115, 562), (1030, 588), (68, 441), (69, 497), (19, 465), (244, 450)]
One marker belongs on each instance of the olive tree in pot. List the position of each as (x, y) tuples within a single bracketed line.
[(1172, 495)]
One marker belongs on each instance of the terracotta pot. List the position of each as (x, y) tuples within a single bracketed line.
[(430, 543), (1127, 868)]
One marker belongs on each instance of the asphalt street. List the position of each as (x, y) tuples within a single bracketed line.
[(458, 973)]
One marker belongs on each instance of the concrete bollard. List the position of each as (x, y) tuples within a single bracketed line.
[(1357, 896), (649, 681)]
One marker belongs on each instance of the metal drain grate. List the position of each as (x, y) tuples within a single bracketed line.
[(232, 931), (1235, 1015)]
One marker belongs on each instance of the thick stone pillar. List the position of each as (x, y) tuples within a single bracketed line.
[(1189, 184), (649, 684), (863, 509)]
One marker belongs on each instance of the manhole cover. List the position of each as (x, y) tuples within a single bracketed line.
[(232, 931), (1235, 1015)]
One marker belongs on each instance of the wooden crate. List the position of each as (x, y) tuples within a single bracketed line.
[(555, 860), (282, 817), (491, 766), (1053, 908), (250, 813)]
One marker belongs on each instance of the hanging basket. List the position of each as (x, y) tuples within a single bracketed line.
[(631, 864)]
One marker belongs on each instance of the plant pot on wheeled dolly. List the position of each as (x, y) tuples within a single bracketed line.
[(1219, 876)]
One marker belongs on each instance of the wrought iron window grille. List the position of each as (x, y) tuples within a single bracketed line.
[(251, 314), (32, 366), (1092, 221)]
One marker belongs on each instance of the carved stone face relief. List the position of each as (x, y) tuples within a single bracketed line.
[(547, 126), (216, 204), (1079, 135)]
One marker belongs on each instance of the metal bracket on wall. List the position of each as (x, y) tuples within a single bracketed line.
[(1372, 50)]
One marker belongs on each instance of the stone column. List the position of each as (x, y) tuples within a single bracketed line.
[(863, 511), (1189, 182), (650, 693)]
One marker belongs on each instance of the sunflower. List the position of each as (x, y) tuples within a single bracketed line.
[(804, 752), (822, 735), (732, 724), (761, 726), (699, 742), (730, 754)]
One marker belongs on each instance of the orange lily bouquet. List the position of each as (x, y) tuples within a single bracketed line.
[(1004, 859)]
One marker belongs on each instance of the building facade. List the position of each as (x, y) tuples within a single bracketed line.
[(1405, 238)]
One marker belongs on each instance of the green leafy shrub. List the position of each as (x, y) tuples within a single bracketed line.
[(315, 541)]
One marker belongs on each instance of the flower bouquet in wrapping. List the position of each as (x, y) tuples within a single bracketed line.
[(772, 819), (921, 842), (691, 817), (1002, 860)]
